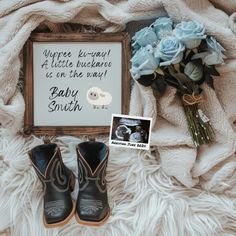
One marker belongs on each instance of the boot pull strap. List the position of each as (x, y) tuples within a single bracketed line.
[(46, 140), (91, 138)]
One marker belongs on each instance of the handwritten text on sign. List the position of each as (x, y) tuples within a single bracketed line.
[(74, 83)]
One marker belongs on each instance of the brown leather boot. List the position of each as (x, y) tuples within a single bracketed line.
[(92, 206), (58, 183)]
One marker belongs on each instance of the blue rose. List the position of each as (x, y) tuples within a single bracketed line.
[(162, 27), (170, 51), (214, 54), (190, 33), (143, 62), (143, 38)]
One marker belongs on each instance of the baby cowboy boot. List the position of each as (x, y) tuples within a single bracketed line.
[(58, 183), (92, 206)]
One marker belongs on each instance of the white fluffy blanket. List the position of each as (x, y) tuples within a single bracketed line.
[(170, 190)]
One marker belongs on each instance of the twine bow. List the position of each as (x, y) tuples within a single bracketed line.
[(192, 99)]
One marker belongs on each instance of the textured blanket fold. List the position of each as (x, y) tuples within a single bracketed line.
[(141, 184)]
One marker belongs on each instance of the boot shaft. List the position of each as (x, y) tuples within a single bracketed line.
[(47, 162), (92, 163)]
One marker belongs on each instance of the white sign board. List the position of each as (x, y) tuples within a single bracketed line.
[(76, 83)]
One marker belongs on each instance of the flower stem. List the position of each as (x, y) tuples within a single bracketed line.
[(201, 131)]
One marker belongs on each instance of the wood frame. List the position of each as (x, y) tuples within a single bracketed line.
[(29, 127)]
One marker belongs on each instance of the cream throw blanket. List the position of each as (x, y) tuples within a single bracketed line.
[(141, 193)]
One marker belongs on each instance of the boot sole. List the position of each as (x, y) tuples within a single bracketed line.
[(61, 223), (93, 223)]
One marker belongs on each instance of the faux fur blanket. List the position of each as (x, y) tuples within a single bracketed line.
[(173, 189)]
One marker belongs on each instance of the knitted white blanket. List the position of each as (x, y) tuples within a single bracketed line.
[(145, 201)]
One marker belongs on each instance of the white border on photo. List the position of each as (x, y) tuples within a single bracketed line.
[(128, 144)]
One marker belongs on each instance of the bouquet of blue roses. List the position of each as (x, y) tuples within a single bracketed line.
[(181, 56)]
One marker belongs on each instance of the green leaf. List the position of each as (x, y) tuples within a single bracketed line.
[(209, 81), (187, 53), (203, 46), (177, 67), (159, 71), (170, 80), (194, 70), (208, 72), (182, 86), (212, 70), (160, 85), (188, 57), (183, 78), (185, 82), (146, 80)]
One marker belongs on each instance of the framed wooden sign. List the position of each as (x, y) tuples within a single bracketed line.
[(75, 82)]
